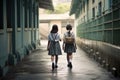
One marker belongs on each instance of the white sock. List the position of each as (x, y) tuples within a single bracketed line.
[(70, 60), (55, 63)]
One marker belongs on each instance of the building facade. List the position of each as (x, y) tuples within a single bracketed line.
[(98, 29), (19, 21), (48, 20)]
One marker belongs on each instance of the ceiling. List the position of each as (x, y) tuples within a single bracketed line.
[(75, 4), (46, 4)]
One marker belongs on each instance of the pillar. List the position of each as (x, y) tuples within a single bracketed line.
[(14, 25)]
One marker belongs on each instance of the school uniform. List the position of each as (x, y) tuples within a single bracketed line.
[(54, 46), (69, 48)]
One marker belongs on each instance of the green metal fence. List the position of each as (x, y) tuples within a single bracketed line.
[(105, 28)]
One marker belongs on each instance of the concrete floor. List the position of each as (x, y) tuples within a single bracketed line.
[(37, 66)]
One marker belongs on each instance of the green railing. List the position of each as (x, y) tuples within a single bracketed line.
[(105, 28)]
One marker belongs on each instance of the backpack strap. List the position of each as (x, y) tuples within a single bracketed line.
[(69, 34)]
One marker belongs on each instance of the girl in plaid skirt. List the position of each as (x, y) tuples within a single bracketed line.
[(69, 48), (53, 46)]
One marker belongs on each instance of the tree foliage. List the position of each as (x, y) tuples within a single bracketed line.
[(59, 9)]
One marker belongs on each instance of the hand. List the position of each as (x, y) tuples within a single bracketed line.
[(48, 48), (60, 40), (75, 47)]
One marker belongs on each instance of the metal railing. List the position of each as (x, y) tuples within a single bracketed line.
[(105, 28)]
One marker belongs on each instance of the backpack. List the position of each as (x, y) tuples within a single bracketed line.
[(69, 39)]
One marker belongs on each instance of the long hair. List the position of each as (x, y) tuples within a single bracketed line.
[(54, 29)]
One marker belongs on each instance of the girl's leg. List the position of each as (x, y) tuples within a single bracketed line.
[(69, 59), (52, 59), (56, 61)]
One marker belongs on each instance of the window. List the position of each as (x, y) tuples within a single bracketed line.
[(26, 21), (37, 15), (25, 14), (93, 12), (34, 15), (1, 14), (100, 8), (93, 1), (18, 13), (9, 14), (30, 13), (110, 3)]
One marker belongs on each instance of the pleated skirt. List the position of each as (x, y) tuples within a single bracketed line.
[(69, 48), (54, 48)]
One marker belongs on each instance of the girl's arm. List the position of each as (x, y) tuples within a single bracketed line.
[(48, 45), (59, 37), (63, 45), (75, 45), (74, 41)]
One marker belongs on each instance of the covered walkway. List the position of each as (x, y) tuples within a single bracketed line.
[(98, 29), (37, 66)]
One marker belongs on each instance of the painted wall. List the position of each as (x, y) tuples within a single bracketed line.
[(19, 35), (45, 28), (99, 35)]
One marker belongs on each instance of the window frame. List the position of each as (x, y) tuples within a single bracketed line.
[(1, 16)]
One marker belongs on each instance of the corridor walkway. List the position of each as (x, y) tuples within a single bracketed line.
[(37, 66)]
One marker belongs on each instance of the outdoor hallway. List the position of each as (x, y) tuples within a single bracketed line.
[(37, 66)]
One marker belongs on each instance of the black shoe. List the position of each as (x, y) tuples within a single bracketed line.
[(69, 65), (53, 66), (56, 66)]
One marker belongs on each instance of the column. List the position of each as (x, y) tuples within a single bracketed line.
[(22, 20), (14, 25)]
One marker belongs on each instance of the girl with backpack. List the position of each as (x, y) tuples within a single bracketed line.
[(69, 44)]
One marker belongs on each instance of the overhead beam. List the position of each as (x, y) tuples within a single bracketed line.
[(46, 4)]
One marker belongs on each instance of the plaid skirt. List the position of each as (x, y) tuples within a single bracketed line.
[(69, 48), (54, 48)]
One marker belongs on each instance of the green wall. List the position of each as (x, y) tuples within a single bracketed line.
[(18, 33)]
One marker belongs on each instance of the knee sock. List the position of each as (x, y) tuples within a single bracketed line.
[(70, 60)]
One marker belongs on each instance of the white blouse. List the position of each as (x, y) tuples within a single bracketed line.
[(71, 34), (54, 37)]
